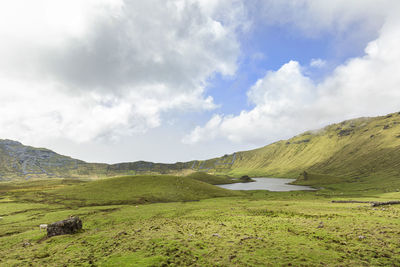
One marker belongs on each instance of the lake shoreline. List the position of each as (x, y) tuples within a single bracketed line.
[(270, 184)]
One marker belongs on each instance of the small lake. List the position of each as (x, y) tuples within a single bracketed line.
[(270, 184)]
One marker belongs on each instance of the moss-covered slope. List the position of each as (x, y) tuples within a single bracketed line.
[(137, 189), (355, 148), (210, 179)]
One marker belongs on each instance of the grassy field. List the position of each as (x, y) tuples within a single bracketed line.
[(164, 220), (221, 228), (211, 179)]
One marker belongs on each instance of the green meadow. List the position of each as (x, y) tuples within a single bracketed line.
[(166, 219), (184, 221)]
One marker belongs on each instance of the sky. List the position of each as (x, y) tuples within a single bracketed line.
[(177, 80)]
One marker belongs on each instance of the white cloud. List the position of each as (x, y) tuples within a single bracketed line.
[(351, 24), (287, 102), (208, 132), (277, 98), (100, 69), (317, 63), (315, 16), (85, 70)]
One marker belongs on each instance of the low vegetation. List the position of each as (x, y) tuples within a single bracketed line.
[(211, 179), (241, 229), (164, 220), (365, 147), (126, 190)]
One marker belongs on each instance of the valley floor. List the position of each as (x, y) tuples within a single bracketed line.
[(256, 229)]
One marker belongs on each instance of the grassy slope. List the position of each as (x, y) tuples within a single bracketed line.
[(136, 189), (360, 148), (210, 179)]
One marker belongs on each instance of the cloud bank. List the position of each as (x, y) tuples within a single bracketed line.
[(92, 69), (85, 71), (286, 102)]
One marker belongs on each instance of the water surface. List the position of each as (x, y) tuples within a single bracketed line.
[(270, 184)]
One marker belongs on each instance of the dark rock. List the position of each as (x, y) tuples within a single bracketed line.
[(302, 141), (350, 201), (303, 176), (246, 179), (386, 127), (26, 244), (345, 132), (373, 203), (376, 204), (10, 142), (120, 234), (65, 227)]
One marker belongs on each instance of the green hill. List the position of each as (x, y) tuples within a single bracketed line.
[(210, 179), (355, 148), (135, 190)]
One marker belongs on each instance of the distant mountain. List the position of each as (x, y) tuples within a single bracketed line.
[(18, 161), (362, 147)]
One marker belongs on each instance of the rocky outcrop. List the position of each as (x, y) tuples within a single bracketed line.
[(345, 132), (351, 201), (65, 227), (373, 203), (376, 204), (245, 179)]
